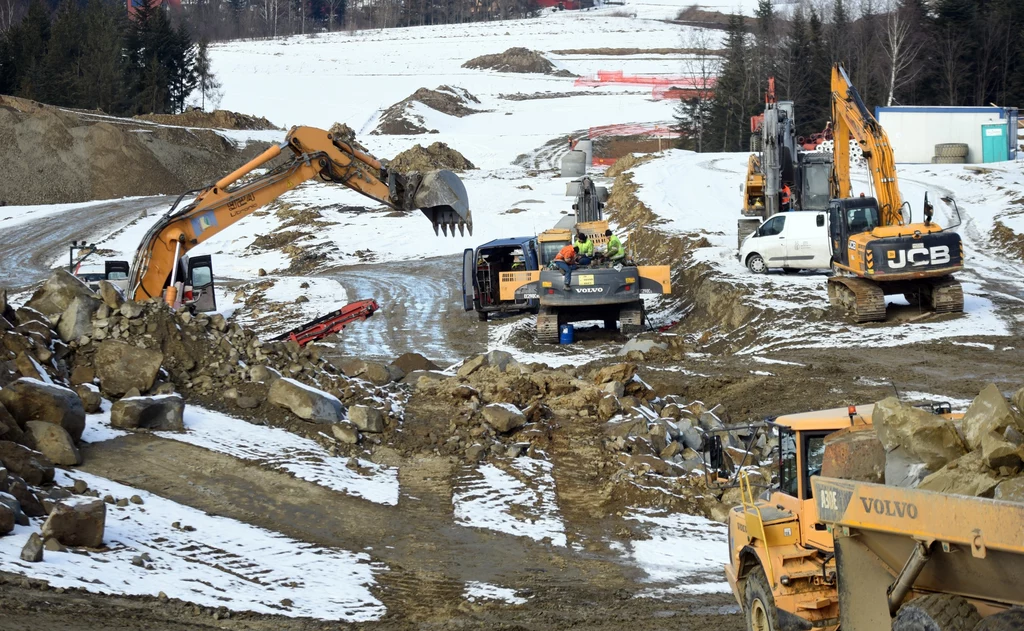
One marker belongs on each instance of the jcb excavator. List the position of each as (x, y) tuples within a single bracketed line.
[(158, 264), (876, 250)]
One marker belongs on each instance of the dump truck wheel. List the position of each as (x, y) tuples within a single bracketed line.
[(759, 604), (1009, 620), (937, 612)]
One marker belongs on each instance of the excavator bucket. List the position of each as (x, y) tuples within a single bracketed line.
[(442, 197)]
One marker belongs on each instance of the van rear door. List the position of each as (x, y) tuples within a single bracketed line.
[(200, 277), (468, 279)]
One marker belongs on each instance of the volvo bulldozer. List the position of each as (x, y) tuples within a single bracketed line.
[(161, 266), (876, 248)]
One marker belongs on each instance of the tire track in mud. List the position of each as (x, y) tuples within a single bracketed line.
[(420, 311), (30, 247)]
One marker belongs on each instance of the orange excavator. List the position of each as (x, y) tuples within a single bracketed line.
[(877, 249), (161, 266)]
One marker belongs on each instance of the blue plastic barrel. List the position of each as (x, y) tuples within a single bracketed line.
[(566, 334)]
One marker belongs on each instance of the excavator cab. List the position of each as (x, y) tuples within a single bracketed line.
[(847, 218)]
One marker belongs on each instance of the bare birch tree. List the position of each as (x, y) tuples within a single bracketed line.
[(902, 50)]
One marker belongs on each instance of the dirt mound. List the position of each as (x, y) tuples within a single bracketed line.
[(1010, 241), (57, 156), (217, 119), (436, 156), (344, 133), (521, 60), (402, 118)]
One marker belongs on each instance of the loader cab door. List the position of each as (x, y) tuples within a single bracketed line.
[(200, 279), (468, 279)]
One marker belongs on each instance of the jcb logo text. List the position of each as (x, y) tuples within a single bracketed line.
[(918, 257)]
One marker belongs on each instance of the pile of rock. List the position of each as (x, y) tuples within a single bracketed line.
[(504, 408), (981, 454)]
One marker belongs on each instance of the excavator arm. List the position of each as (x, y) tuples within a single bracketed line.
[(850, 117), (440, 195)]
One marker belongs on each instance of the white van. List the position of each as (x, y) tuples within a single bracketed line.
[(792, 241)]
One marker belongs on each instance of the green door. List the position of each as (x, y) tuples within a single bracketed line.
[(994, 147)]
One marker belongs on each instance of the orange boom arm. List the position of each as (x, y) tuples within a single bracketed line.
[(316, 153)]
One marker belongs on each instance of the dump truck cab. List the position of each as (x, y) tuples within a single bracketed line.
[(781, 566), (482, 271)]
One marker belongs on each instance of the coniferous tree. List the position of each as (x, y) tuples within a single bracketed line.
[(103, 64), (206, 82), (28, 50), (730, 111), (61, 66)]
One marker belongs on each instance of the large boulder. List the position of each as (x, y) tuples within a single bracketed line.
[(1018, 401), (503, 417), (26, 498), (32, 552), (76, 320), (58, 292), (989, 412), (121, 367), (377, 374), (32, 466), (7, 519), (366, 418), (902, 469), (90, 396), (641, 346), (111, 295), (1011, 490), (414, 361), (305, 401), (927, 437), (998, 452), (966, 475), (54, 443), (854, 454), (163, 412), (32, 400), (622, 373), (12, 504), (77, 521)]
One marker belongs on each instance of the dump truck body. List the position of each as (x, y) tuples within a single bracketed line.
[(938, 543)]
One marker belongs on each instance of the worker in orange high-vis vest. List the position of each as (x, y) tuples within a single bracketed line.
[(787, 198), (565, 260)]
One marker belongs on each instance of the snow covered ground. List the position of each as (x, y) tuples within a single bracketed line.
[(684, 554), (272, 448), (210, 561), (518, 501)]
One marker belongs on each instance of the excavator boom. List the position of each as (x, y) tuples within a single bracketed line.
[(851, 117), (440, 195)]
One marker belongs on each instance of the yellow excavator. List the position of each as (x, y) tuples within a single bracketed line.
[(160, 267), (876, 249)]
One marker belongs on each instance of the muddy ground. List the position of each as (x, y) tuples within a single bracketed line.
[(429, 558)]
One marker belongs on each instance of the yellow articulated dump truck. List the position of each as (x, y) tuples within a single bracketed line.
[(817, 552), (911, 560)]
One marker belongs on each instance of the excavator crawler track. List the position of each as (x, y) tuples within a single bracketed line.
[(947, 296), (861, 299), (547, 325)]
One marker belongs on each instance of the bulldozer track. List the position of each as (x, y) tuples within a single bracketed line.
[(862, 299), (547, 325)]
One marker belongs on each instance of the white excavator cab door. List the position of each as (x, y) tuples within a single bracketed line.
[(468, 278)]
